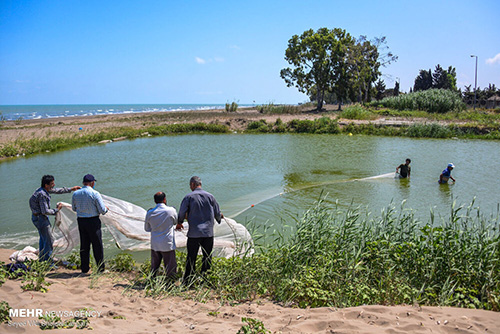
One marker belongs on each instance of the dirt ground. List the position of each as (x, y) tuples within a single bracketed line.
[(237, 121)]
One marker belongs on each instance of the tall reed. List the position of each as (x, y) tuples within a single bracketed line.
[(345, 258), (432, 100)]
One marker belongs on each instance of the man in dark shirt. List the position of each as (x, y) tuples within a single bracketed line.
[(40, 209), (404, 170), (200, 209)]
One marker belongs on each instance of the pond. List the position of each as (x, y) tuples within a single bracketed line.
[(281, 175)]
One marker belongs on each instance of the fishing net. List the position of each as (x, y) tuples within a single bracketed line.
[(125, 222)]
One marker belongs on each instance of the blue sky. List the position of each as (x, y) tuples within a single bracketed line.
[(84, 52)]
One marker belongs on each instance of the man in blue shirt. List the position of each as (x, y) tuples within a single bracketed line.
[(446, 174), (40, 209), (160, 221), (88, 205), (200, 209)]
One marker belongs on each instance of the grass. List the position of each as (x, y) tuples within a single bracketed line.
[(272, 108), (432, 100), (33, 146), (357, 112), (418, 130), (345, 259)]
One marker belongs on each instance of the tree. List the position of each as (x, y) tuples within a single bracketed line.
[(365, 59), (423, 81), (318, 59), (380, 89), (441, 78), (364, 65), (444, 79), (396, 88)]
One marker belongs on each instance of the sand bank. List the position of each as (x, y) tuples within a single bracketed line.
[(116, 310)]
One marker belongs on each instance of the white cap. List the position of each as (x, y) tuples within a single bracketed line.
[(451, 165)]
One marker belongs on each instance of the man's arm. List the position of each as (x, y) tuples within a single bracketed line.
[(217, 213), (147, 225), (63, 190), (183, 211), (100, 204), (44, 206)]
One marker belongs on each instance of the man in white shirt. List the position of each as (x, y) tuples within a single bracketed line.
[(160, 221)]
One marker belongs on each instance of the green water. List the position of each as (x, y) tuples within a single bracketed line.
[(241, 170)]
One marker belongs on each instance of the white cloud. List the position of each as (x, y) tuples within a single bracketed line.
[(494, 60), (235, 47), (200, 60), (219, 59)]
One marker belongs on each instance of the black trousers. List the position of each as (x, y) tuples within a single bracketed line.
[(90, 234), (193, 245)]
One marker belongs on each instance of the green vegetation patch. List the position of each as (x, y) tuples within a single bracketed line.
[(357, 112), (33, 146), (345, 258), (431, 100)]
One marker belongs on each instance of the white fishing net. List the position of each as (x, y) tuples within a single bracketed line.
[(125, 222)]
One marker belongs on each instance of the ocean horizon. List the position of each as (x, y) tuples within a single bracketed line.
[(19, 112)]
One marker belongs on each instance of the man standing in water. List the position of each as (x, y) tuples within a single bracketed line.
[(200, 209), (446, 174), (88, 205), (404, 170), (40, 209), (160, 221)]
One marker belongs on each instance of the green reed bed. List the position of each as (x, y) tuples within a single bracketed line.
[(33, 146), (346, 259), (330, 126), (272, 108), (432, 100)]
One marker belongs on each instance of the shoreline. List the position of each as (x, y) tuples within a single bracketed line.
[(130, 311), (72, 130)]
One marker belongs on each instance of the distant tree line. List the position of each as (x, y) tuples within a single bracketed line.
[(447, 79)]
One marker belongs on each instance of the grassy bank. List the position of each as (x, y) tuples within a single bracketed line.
[(327, 125), (345, 259), (33, 146), (339, 258)]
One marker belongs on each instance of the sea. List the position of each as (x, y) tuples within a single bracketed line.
[(20, 112)]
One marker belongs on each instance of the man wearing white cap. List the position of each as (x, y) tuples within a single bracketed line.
[(446, 174)]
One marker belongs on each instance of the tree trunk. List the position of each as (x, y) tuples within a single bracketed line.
[(319, 100)]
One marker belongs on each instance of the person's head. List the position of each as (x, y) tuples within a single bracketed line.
[(160, 197), (408, 161), (194, 182), (451, 166), (89, 180), (48, 182)]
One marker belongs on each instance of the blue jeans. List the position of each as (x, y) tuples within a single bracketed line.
[(42, 224)]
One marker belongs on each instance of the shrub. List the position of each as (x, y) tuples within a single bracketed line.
[(231, 107), (272, 108), (431, 100), (357, 112), (122, 262), (4, 312), (34, 278)]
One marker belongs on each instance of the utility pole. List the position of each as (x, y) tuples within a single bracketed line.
[(475, 84)]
